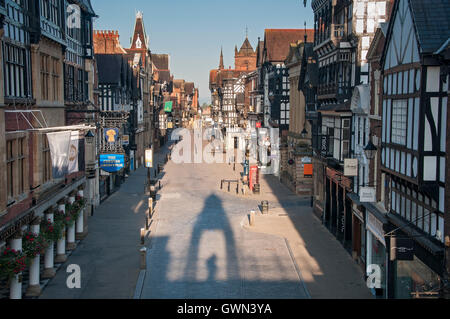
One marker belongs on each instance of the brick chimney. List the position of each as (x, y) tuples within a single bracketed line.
[(107, 42)]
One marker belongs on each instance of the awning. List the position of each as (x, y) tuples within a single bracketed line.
[(417, 236)]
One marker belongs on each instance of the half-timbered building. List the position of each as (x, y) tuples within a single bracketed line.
[(413, 142)]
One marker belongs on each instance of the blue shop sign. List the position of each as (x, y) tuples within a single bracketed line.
[(112, 163)]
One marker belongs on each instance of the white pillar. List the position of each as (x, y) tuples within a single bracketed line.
[(61, 244), (80, 220), (71, 230), (34, 287), (49, 270), (15, 291)]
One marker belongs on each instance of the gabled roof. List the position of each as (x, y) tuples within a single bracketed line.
[(110, 67), (432, 23), (161, 61), (139, 32), (246, 48), (86, 5), (189, 88), (277, 42)]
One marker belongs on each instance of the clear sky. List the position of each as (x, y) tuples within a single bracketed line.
[(192, 32)]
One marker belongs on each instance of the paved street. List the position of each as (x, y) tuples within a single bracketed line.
[(201, 246), (109, 256)]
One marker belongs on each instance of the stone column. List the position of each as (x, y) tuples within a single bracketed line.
[(61, 244), (15, 291), (34, 288), (71, 230), (80, 233), (49, 270)]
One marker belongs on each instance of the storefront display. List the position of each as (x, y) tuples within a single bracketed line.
[(415, 280)]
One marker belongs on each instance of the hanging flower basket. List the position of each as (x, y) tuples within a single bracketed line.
[(52, 231), (33, 245), (12, 262), (74, 210)]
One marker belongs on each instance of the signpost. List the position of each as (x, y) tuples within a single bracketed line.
[(149, 158)]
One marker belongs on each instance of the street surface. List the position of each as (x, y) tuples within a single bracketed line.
[(200, 244)]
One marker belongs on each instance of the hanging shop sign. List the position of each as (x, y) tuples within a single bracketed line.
[(168, 106), (351, 167), (111, 135), (402, 249), (125, 139), (367, 195), (148, 158), (258, 125), (112, 163), (306, 160)]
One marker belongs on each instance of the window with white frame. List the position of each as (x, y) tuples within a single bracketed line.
[(399, 119)]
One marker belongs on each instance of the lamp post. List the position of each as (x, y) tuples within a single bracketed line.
[(370, 150)]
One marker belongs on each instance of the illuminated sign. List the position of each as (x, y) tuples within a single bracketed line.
[(112, 163)]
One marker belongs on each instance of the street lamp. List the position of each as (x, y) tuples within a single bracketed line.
[(370, 150), (304, 133)]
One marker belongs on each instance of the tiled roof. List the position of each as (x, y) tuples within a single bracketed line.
[(432, 21), (161, 61), (109, 68), (189, 87), (246, 49), (277, 42)]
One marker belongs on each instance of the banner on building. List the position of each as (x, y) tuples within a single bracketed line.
[(73, 152), (59, 143)]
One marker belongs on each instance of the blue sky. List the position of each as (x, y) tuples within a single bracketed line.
[(192, 32)]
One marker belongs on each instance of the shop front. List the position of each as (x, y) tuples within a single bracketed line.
[(377, 253), (418, 274), (338, 214)]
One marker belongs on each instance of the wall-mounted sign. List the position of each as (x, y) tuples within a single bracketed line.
[(149, 158), (168, 106), (258, 125), (376, 227), (112, 162), (402, 249), (351, 167), (111, 135), (169, 125), (126, 139), (306, 160), (367, 194)]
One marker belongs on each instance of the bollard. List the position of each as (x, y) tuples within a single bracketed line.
[(143, 252), (252, 218), (228, 186), (237, 188), (221, 184), (150, 207), (159, 185), (264, 207), (142, 236)]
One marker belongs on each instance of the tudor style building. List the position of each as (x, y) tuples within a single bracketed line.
[(413, 142), (38, 88)]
